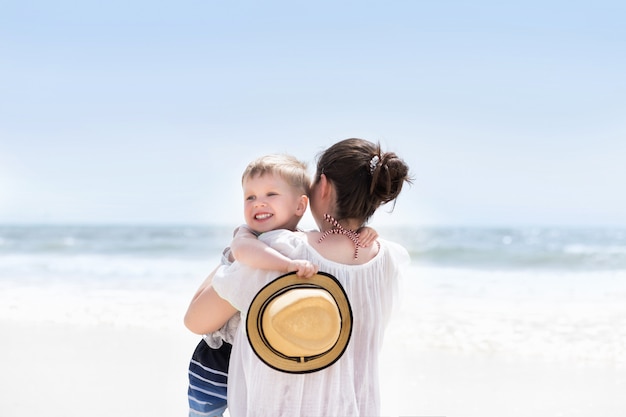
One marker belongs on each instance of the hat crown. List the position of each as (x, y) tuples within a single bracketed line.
[(302, 322)]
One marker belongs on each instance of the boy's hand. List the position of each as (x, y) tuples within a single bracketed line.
[(303, 268), (367, 236)]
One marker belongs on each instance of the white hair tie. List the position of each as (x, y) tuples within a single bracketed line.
[(374, 163)]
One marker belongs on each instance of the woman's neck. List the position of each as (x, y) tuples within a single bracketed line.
[(329, 222), (338, 229)]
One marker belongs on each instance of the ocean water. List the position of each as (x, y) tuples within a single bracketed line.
[(558, 294)]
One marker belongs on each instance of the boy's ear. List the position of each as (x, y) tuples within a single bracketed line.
[(302, 205)]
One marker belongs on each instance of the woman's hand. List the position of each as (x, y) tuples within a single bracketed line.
[(207, 312)]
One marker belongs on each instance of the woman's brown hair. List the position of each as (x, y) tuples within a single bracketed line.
[(364, 177)]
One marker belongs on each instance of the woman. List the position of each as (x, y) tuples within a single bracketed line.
[(353, 179)]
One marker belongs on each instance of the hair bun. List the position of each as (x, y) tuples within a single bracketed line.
[(388, 177)]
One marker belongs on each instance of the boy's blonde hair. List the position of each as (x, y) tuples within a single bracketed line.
[(290, 169)]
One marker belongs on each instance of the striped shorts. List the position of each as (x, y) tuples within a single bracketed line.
[(208, 376)]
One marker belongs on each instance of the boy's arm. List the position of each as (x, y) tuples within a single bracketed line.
[(247, 249)]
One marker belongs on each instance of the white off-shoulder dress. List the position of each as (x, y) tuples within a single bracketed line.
[(349, 387)]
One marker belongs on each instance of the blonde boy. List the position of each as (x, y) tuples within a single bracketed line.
[(275, 189)]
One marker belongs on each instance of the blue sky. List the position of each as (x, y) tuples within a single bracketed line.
[(127, 112)]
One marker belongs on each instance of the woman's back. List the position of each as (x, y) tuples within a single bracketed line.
[(349, 387)]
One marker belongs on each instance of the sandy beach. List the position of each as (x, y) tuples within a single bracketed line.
[(68, 370), (446, 384), (74, 370)]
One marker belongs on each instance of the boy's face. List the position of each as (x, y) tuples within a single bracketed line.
[(271, 203)]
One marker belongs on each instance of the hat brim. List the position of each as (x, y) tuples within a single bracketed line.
[(290, 364)]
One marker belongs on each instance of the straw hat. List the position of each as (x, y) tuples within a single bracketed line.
[(300, 325)]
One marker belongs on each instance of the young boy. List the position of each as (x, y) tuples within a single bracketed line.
[(276, 189)]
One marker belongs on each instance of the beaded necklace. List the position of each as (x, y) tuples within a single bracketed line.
[(340, 230)]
